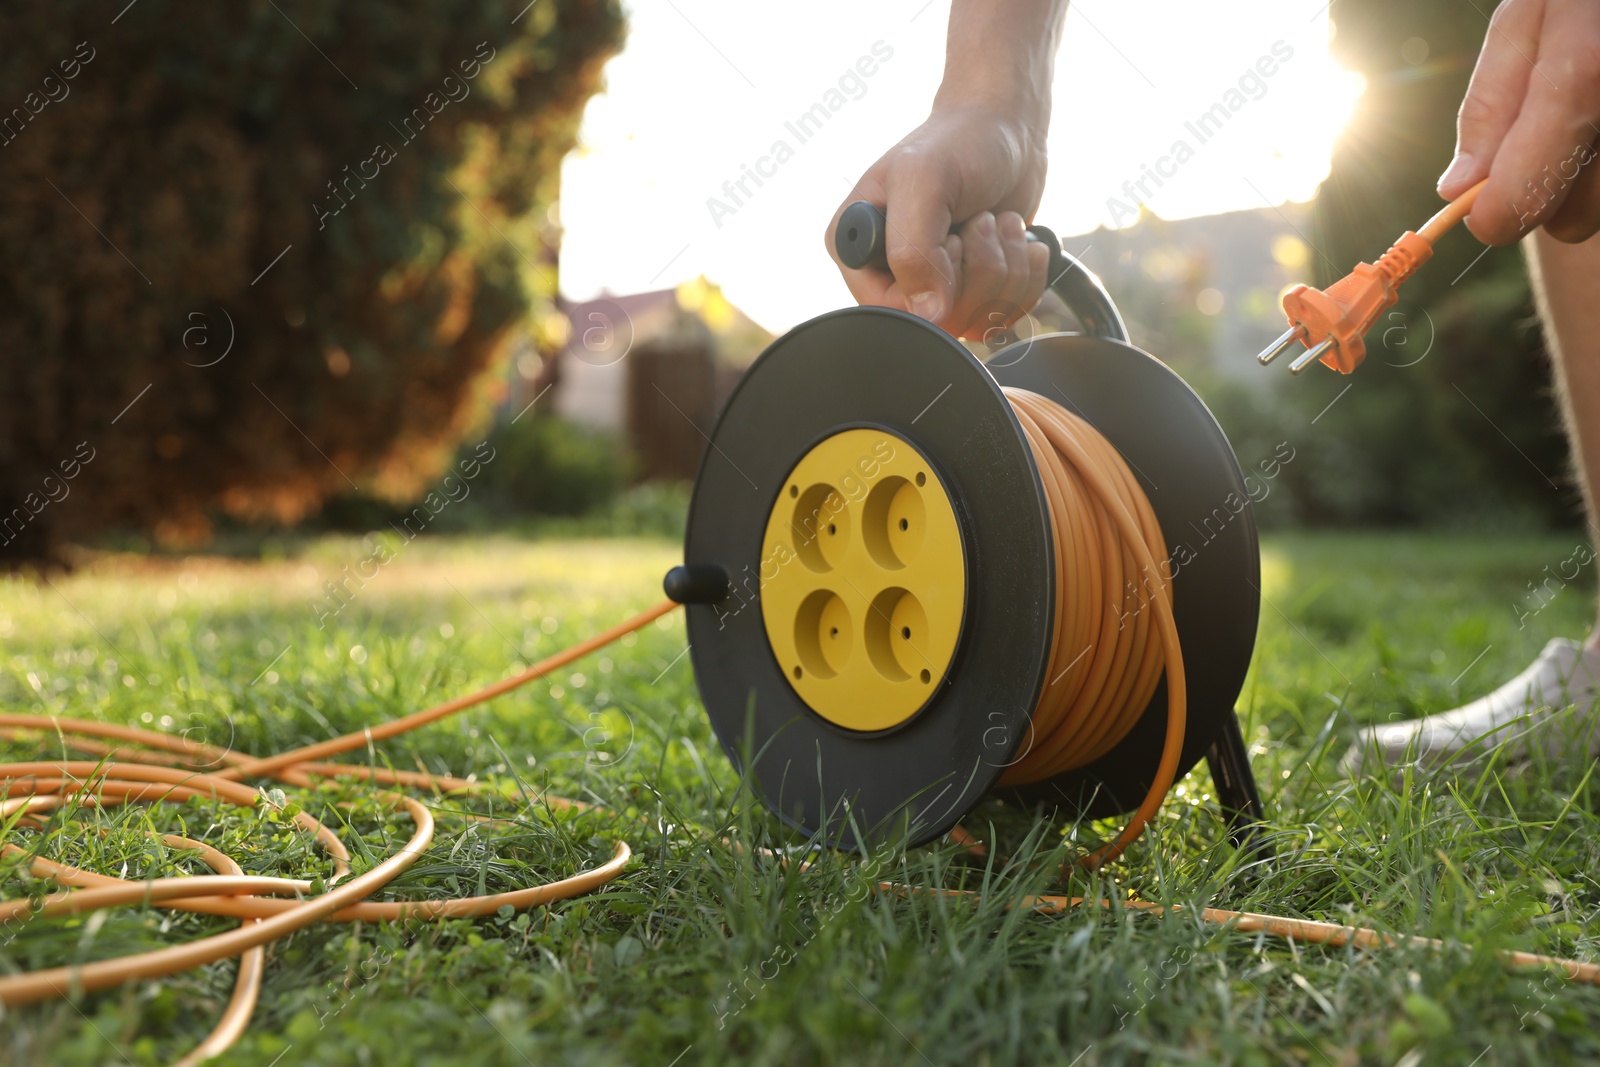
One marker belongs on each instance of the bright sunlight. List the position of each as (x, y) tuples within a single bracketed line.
[(708, 153)]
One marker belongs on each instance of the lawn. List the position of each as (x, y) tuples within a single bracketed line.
[(703, 952)]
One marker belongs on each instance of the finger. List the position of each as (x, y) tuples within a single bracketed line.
[(983, 272), (1014, 242), (1578, 218), (1038, 273), (991, 323), (872, 285), (918, 216), (1495, 94), (1001, 303), (1542, 154)]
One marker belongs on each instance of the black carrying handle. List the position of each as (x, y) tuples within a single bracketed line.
[(861, 241)]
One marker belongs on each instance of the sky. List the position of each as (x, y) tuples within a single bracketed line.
[(705, 88)]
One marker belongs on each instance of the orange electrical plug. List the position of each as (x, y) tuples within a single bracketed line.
[(1331, 322)]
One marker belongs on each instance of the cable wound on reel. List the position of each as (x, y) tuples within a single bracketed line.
[(893, 650)]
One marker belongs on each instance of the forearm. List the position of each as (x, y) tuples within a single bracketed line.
[(1001, 53)]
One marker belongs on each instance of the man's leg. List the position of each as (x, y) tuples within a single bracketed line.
[(1566, 284)]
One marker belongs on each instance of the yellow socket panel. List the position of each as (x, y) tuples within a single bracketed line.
[(863, 580)]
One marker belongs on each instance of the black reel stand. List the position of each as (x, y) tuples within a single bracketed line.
[(888, 373)]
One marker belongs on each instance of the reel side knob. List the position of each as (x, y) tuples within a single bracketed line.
[(696, 583)]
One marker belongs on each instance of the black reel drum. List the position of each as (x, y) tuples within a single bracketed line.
[(869, 571)]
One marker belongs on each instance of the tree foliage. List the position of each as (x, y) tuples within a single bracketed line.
[(256, 253)]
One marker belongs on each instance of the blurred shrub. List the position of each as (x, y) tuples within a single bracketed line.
[(151, 195), (538, 467), (652, 509), (547, 466), (658, 509)]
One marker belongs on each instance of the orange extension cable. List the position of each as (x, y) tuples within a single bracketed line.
[(268, 908), (1107, 655), (1332, 322)]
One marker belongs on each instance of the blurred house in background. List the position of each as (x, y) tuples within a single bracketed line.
[(1200, 292), (652, 369)]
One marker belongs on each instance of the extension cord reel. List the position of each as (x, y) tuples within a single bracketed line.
[(870, 577)]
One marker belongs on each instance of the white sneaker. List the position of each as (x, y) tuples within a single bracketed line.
[(1564, 674)]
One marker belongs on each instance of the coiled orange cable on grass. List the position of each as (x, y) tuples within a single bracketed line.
[(261, 904)]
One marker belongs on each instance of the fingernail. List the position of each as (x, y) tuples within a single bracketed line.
[(928, 306), (1458, 169)]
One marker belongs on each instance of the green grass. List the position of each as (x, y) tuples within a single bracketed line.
[(702, 953)]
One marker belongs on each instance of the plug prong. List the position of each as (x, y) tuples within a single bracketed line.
[(1310, 356), (1281, 345)]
